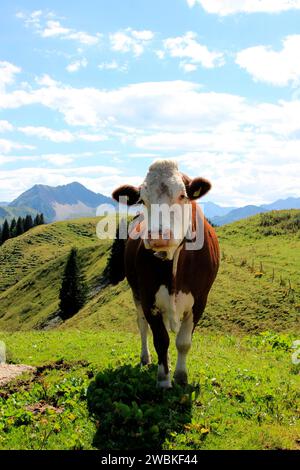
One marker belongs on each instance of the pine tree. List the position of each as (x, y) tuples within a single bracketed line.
[(5, 232), (73, 289), (28, 223), (36, 220), (39, 219), (114, 271), (19, 227), (12, 228)]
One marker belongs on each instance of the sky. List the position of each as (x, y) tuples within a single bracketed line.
[(95, 91)]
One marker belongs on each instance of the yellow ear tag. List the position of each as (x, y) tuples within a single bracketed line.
[(197, 193)]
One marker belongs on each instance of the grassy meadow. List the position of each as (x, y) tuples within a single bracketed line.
[(88, 392)]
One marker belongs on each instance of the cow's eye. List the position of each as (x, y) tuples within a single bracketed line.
[(182, 197), (140, 201)]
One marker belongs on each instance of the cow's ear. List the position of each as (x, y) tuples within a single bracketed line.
[(197, 188), (130, 192)]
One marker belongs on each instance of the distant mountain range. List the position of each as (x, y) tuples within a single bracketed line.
[(238, 213), (75, 200)]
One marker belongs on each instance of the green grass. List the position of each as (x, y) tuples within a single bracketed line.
[(88, 393), (244, 394)]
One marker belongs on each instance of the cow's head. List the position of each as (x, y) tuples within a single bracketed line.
[(165, 187)]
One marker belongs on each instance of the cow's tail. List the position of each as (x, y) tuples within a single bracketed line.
[(114, 271)]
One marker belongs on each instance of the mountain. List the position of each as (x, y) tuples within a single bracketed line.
[(289, 203), (75, 200), (62, 202), (247, 211), (211, 209)]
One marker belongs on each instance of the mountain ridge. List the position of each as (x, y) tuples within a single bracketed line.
[(74, 200), (61, 202)]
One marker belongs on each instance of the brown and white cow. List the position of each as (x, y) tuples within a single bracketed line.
[(170, 280)]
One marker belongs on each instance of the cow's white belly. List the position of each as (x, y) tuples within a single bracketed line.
[(173, 307)]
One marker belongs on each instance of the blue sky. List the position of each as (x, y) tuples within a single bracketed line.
[(95, 91)]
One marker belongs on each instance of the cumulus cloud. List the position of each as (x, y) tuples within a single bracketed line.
[(98, 178), (230, 7), (6, 146), (5, 126), (275, 67), (75, 66), (113, 65), (192, 53), (130, 40), (244, 147), (59, 136), (8, 72), (46, 25), (49, 134)]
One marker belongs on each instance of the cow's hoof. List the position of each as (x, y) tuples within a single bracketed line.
[(164, 384), (145, 361), (181, 378)]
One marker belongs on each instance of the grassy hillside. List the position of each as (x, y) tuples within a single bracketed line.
[(258, 286), (88, 392), (31, 268)]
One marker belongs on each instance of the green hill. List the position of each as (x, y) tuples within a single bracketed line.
[(88, 391), (257, 289)]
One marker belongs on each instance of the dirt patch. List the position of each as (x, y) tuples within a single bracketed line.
[(9, 372), (42, 407)]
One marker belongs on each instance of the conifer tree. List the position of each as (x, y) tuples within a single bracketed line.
[(19, 227), (5, 235), (28, 223), (12, 228), (73, 289)]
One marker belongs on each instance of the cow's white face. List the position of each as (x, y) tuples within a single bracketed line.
[(167, 207), (166, 195)]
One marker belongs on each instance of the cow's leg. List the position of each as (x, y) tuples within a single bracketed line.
[(161, 343), (183, 344), (144, 329)]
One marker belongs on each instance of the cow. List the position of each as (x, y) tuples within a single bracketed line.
[(169, 278)]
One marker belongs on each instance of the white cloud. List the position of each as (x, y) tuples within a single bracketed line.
[(131, 40), (6, 126), (7, 74), (188, 48), (270, 66), (55, 29), (92, 137), (113, 65), (49, 134), (229, 7), (188, 67), (100, 178), (46, 25), (59, 136), (78, 64), (244, 147), (6, 146), (56, 159)]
